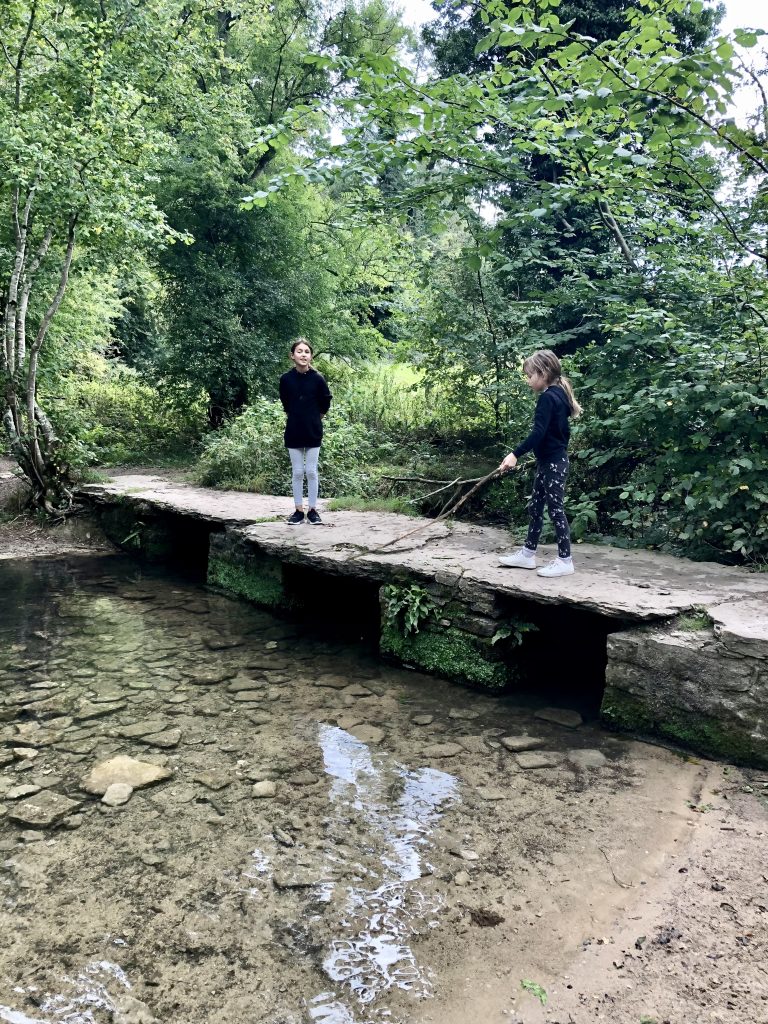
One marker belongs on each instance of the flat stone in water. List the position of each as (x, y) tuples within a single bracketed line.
[(165, 740), (222, 643), (588, 758), (213, 779), (472, 744), (489, 793), (367, 733), (248, 696), (123, 769), (117, 794), (516, 744), (356, 690), (43, 809), (423, 719), (304, 778), (347, 720), (146, 728), (18, 792), (259, 719), (538, 760), (90, 709), (560, 716), (463, 714), (332, 682), (212, 677), (245, 683), (442, 750)]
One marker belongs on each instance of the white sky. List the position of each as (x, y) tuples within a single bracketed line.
[(739, 13)]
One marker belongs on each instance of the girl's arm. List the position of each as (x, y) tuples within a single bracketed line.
[(540, 425), (324, 397), (284, 393)]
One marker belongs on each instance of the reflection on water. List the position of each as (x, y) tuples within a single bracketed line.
[(374, 955), (90, 996)]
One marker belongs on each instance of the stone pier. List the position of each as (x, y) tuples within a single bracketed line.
[(678, 649)]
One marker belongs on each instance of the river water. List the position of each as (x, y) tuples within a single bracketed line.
[(332, 833)]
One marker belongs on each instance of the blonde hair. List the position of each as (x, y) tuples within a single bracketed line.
[(547, 365)]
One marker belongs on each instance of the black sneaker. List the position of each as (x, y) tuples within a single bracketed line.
[(313, 518), (296, 518)]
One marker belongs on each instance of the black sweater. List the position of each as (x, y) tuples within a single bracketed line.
[(551, 429), (305, 398)]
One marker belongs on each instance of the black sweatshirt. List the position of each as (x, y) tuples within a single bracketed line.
[(551, 429), (305, 398)]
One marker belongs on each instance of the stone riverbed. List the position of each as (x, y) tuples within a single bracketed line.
[(209, 815)]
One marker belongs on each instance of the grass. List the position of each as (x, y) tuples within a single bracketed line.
[(353, 503)]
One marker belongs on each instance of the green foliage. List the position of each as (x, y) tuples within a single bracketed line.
[(406, 607), (249, 453), (115, 418)]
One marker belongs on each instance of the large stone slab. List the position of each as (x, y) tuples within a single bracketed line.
[(43, 810), (688, 687), (123, 769)]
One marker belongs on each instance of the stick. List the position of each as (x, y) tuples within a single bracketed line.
[(451, 510)]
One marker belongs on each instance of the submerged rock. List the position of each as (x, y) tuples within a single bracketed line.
[(43, 809), (423, 719), (169, 738), (442, 750), (537, 760), (367, 733), (123, 769), (518, 743), (560, 716)]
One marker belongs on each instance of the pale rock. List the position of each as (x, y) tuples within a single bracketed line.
[(532, 760), (588, 758), (213, 780), (117, 794), (441, 750), (423, 719), (368, 733), (491, 794), (139, 729), (265, 789), (123, 769), (516, 744), (463, 714), (461, 878), (18, 792)]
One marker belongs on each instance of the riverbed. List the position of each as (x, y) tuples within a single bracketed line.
[(328, 838)]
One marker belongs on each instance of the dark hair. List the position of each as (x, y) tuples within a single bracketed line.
[(301, 341)]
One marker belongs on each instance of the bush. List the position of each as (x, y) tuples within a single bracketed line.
[(112, 417), (249, 453)]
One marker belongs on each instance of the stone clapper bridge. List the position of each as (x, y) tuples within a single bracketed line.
[(666, 646)]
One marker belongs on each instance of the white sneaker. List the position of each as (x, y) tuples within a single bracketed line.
[(518, 560), (557, 567)]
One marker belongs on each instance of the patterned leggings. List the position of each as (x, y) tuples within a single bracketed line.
[(549, 490)]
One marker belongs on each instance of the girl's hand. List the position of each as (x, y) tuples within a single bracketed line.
[(509, 463)]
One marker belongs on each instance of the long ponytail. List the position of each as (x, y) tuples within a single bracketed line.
[(547, 365)]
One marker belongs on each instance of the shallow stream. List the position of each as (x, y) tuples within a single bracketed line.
[(331, 834)]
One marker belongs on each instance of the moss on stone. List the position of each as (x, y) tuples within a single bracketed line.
[(259, 583), (700, 733), (449, 652)]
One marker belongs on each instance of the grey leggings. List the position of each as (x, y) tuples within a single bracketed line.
[(304, 462), (549, 490)]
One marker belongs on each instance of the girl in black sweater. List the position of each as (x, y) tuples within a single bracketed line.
[(306, 399), (549, 442)]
